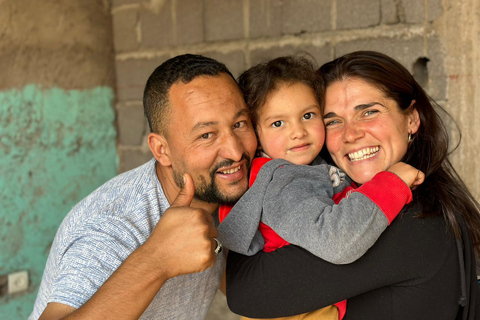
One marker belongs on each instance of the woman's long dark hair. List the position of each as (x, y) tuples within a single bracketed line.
[(443, 191)]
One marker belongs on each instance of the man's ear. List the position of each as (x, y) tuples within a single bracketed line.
[(413, 119), (159, 147)]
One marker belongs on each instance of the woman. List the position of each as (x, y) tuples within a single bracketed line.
[(423, 266)]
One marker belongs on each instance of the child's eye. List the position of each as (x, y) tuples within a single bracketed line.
[(308, 115), (331, 123), (277, 124)]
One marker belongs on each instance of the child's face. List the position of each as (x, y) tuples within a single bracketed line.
[(290, 126)]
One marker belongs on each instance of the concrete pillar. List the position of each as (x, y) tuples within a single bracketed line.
[(57, 133), (459, 30)]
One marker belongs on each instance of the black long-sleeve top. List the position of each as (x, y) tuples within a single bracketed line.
[(412, 272)]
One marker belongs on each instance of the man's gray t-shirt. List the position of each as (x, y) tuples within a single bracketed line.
[(101, 231)]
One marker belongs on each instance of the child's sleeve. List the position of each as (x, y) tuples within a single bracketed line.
[(239, 223), (298, 204)]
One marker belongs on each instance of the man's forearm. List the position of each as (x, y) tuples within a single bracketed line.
[(125, 295), (128, 292)]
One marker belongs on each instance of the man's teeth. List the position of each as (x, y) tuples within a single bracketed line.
[(363, 154), (230, 171)]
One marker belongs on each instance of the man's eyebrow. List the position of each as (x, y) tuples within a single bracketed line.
[(357, 108), (243, 112), (201, 125)]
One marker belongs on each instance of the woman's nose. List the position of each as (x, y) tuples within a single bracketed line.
[(352, 132)]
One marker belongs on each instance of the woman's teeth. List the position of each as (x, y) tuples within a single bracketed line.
[(363, 154), (230, 171)]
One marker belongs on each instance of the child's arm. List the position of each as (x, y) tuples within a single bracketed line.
[(298, 205), (238, 229)]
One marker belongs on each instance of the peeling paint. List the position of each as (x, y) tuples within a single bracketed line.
[(56, 146)]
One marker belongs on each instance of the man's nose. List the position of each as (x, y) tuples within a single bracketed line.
[(232, 147)]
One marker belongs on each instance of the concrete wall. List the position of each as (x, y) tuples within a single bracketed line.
[(241, 33), (57, 132)]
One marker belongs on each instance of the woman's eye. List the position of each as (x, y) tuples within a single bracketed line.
[(277, 124), (370, 112), (331, 123), (308, 115)]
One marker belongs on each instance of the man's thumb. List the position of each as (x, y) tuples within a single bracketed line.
[(185, 196)]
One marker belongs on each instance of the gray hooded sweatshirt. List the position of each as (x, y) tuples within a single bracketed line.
[(296, 202)]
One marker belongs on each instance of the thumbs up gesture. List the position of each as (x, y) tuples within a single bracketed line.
[(183, 240)]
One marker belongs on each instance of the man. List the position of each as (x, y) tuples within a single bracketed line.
[(142, 245)]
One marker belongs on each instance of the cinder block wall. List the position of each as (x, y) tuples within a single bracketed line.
[(436, 40), (241, 33)]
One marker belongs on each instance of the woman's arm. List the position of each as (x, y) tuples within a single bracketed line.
[(291, 281)]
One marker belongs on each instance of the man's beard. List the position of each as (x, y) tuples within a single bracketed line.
[(209, 192)]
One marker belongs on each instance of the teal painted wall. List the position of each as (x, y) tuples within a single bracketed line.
[(56, 146)]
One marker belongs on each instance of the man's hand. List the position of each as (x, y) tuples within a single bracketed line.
[(411, 176), (182, 241)]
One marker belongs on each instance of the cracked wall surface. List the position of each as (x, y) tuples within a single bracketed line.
[(57, 126)]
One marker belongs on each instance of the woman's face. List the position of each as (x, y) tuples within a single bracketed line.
[(366, 132)]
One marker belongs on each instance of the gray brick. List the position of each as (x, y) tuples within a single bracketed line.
[(235, 61), (131, 124), (133, 74), (157, 28), (133, 157), (414, 11), (434, 9), (124, 25), (223, 20), (121, 2), (265, 18), (319, 54), (437, 86), (405, 51), (357, 13), (189, 15), (302, 16), (389, 12)]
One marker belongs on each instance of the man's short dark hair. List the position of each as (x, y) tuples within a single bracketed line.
[(183, 68)]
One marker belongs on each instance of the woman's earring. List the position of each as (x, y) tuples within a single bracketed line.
[(409, 137)]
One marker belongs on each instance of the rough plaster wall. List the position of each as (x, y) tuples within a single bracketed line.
[(57, 133)]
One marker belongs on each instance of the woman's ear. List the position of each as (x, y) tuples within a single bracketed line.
[(159, 147), (413, 118)]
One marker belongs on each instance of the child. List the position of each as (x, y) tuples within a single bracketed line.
[(288, 121)]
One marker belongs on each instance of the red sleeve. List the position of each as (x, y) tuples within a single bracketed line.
[(344, 193), (391, 202), (257, 164), (272, 240)]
